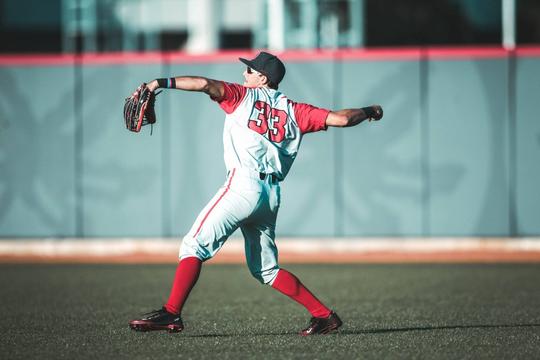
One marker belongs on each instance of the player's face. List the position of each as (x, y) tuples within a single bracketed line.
[(253, 78)]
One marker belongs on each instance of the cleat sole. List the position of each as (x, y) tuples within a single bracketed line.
[(143, 327), (174, 328)]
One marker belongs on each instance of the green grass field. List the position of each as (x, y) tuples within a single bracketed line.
[(389, 311)]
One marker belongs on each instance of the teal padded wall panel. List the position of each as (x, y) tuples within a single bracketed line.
[(528, 147), (468, 148), (363, 181), (37, 184), (381, 178), (122, 171)]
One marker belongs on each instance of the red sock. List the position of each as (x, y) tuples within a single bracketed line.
[(186, 276), (288, 284)]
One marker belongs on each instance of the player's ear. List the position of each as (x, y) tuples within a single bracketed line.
[(264, 79)]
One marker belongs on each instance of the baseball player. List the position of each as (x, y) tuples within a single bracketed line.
[(262, 134)]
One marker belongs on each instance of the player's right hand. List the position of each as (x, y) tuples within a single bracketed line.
[(376, 113)]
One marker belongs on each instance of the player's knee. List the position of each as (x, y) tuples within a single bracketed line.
[(265, 276), (191, 247)]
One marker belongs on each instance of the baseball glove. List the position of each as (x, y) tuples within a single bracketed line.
[(139, 108)]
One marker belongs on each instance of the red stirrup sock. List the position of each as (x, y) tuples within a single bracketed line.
[(288, 284), (186, 276)]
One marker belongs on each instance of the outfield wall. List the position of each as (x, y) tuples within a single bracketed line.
[(457, 153)]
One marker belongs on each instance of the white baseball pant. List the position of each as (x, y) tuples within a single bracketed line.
[(247, 202)]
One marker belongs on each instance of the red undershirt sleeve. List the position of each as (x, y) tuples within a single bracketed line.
[(310, 118)]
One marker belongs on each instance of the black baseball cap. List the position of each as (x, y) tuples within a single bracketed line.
[(268, 65)]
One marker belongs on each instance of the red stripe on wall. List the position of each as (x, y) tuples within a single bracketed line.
[(528, 51), (36, 60), (448, 53), (217, 202), (403, 53), (178, 57)]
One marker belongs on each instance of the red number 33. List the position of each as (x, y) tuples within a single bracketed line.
[(269, 122)]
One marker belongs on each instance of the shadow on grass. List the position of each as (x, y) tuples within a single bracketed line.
[(374, 331), (430, 328)]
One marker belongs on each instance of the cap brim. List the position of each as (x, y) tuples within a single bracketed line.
[(248, 63)]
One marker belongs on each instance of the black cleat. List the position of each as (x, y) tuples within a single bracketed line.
[(158, 320), (322, 325)]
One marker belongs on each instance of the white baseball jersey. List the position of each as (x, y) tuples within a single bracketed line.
[(263, 128)]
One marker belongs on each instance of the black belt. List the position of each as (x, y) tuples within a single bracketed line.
[(273, 177)]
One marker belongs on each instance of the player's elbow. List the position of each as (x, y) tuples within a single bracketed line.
[(203, 84), (213, 88)]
